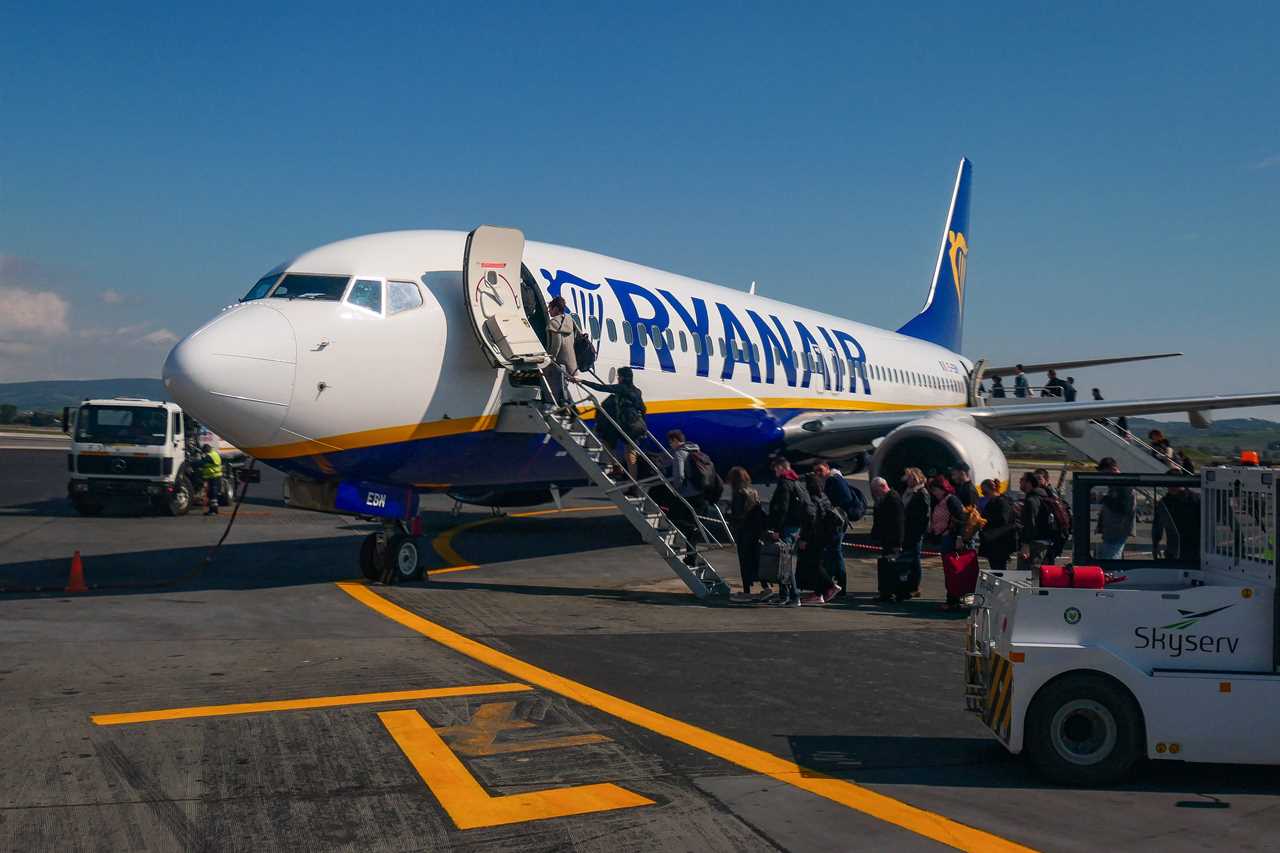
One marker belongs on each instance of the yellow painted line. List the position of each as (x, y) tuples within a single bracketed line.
[(302, 704), (469, 805), (912, 818), (443, 544)]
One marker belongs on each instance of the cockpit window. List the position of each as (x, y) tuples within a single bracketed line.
[(401, 296), (260, 289), (367, 293), (328, 288)]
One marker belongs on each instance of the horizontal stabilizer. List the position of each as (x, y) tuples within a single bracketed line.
[(1064, 365)]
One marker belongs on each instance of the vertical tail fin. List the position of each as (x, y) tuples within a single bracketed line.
[(941, 321)]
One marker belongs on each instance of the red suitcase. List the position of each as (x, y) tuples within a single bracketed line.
[(960, 570)]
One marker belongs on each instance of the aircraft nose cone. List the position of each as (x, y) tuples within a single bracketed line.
[(235, 374)]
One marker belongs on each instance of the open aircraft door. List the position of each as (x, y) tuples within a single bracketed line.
[(491, 281)]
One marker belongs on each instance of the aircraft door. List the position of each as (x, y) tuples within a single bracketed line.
[(492, 293)]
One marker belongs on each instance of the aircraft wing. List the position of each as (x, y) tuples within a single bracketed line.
[(1010, 370), (831, 432)]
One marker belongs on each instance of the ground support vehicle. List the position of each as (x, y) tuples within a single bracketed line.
[(145, 452), (1176, 661)]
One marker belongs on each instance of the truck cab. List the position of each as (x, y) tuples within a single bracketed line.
[(129, 449), (1173, 657)]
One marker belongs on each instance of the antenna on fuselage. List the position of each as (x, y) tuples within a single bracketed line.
[(752, 289)]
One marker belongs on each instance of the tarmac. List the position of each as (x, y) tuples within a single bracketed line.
[(549, 686)]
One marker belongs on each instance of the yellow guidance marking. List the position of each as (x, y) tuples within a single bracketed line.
[(302, 704), (469, 805), (479, 736), (917, 820), (443, 544)]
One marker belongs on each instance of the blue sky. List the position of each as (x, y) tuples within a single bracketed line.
[(154, 162)]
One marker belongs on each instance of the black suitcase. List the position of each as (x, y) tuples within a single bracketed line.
[(896, 577)]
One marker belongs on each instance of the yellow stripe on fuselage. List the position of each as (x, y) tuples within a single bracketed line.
[(482, 423)]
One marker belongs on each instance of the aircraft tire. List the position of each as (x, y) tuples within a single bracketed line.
[(402, 558), (369, 558), (1084, 730)]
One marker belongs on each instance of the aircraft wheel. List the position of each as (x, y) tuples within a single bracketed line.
[(1085, 731), (369, 558), (401, 557)]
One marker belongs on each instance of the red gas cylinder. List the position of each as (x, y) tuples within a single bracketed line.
[(1078, 577)]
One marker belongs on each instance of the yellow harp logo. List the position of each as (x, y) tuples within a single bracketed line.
[(958, 253)]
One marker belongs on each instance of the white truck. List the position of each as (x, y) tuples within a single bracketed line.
[(128, 448), (1176, 661)]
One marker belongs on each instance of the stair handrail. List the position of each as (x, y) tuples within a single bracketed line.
[(713, 541), (1129, 437)]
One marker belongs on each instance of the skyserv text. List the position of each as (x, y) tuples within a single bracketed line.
[(1176, 643)]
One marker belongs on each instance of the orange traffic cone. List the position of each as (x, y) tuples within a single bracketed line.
[(76, 583)]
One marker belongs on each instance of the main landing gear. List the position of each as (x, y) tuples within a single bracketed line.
[(390, 555)]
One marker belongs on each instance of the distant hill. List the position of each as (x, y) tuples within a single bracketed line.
[(51, 395)]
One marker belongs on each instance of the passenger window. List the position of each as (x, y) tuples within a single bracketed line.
[(402, 296), (595, 327), (626, 333), (612, 329), (755, 352), (709, 345), (642, 334), (723, 351), (671, 339), (697, 344), (684, 347), (366, 293), (658, 341)]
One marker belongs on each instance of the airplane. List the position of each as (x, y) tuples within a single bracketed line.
[(374, 369)]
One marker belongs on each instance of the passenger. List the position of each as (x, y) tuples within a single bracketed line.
[(747, 519), (1177, 520), (963, 483), (1097, 394), (999, 539), (848, 500), (1116, 516), (1184, 462), (211, 473), (1054, 387), (1059, 540), (997, 387), (1070, 389), (816, 539), (561, 328), (947, 517), (1161, 449), (681, 481), (887, 521), (625, 406), (789, 510), (1037, 530), (1020, 386), (915, 521)]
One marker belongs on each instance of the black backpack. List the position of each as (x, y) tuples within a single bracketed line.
[(584, 352), (630, 409), (701, 472), (857, 507), (1054, 519), (801, 513)]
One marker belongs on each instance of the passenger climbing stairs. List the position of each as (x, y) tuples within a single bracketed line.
[(564, 424)]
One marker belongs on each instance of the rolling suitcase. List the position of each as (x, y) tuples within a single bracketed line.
[(960, 570), (895, 577), (777, 563)]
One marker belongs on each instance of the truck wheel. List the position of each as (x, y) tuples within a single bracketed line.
[(402, 558), (179, 502), (86, 508), (369, 557), (1085, 731)]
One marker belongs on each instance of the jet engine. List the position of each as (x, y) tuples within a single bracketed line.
[(938, 444)]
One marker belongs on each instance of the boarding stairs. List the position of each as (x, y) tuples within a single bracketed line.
[(1099, 439), (630, 494)]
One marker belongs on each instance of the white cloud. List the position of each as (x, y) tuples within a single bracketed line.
[(111, 297), (1268, 162), (16, 348), (40, 312), (160, 337)]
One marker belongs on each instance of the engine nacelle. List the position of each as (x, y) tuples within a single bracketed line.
[(939, 443)]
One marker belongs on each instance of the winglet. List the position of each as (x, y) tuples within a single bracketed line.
[(941, 321)]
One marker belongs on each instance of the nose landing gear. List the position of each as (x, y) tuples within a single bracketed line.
[(390, 555)]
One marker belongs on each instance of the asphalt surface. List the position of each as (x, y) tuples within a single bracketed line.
[(863, 693)]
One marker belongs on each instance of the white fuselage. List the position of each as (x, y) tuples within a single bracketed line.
[(332, 389)]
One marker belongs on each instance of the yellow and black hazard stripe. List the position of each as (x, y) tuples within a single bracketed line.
[(997, 704)]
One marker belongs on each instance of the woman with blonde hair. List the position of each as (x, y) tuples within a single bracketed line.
[(917, 509)]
